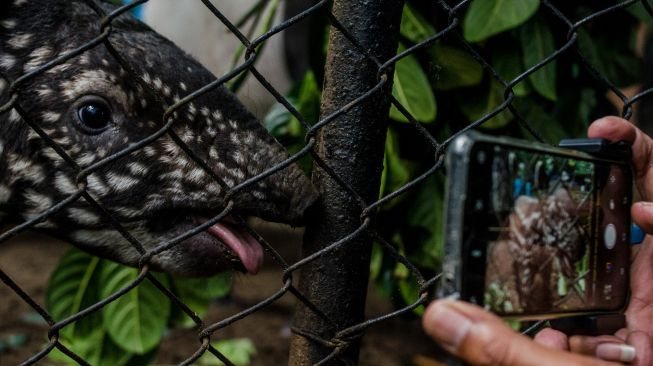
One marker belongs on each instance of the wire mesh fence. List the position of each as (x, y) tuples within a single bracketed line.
[(321, 336)]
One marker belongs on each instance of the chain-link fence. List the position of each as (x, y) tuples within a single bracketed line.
[(346, 145)]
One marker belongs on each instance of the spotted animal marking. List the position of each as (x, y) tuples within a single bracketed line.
[(92, 108)]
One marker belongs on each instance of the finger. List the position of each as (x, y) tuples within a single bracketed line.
[(609, 348), (642, 344), (480, 338), (614, 129), (587, 345), (635, 249), (641, 272), (616, 352), (622, 334), (553, 339), (618, 129), (642, 215)]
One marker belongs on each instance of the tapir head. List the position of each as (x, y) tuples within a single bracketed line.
[(92, 108)]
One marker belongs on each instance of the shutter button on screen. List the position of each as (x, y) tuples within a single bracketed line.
[(610, 236)]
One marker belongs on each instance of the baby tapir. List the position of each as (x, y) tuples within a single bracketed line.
[(92, 108)]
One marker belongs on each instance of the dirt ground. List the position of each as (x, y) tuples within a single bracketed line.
[(29, 260)]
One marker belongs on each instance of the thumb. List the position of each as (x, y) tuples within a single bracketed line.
[(618, 129), (642, 214), (480, 338), (553, 339)]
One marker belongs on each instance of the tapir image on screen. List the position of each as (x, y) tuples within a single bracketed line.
[(534, 231)]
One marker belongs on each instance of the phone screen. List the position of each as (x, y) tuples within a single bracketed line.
[(546, 233)]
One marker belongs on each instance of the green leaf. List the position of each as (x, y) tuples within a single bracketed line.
[(265, 22), (204, 288), (507, 62), (239, 351), (587, 103), (475, 109), (198, 293), (73, 287), (180, 318), (409, 290), (611, 57), (396, 171), (401, 271), (277, 120), (413, 26), (308, 101), (547, 125), (305, 98), (537, 44), (406, 282), (456, 68), (486, 18), (412, 90), (386, 283), (135, 321), (376, 260), (426, 221), (98, 349), (638, 10)]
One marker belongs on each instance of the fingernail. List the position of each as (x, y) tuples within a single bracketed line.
[(447, 325), (615, 352)]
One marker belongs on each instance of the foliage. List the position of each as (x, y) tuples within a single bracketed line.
[(487, 18), (128, 330), (412, 90), (239, 351), (445, 88)]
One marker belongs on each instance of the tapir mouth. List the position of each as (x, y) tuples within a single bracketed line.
[(226, 243), (242, 243)]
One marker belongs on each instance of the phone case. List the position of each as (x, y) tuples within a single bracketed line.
[(457, 161)]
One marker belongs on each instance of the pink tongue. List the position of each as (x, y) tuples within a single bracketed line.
[(244, 245)]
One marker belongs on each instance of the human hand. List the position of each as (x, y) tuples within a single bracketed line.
[(481, 338), (639, 314)]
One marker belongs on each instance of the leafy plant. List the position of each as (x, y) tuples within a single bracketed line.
[(128, 330), (445, 88), (411, 88), (487, 18), (239, 351)]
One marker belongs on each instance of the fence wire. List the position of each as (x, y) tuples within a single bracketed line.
[(341, 338)]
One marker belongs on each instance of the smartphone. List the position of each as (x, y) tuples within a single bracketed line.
[(534, 231)]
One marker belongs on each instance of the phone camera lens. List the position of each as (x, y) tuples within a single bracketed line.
[(479, 205), (610, 236)]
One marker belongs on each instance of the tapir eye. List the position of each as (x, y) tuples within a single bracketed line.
[(93, 115)]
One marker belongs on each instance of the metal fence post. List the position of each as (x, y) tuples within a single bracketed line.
[(352, 146)]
